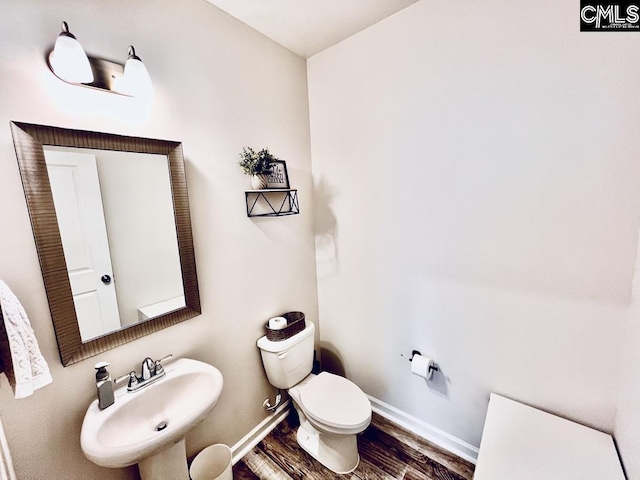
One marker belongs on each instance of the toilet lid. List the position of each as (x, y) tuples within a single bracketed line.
[(335, 401)]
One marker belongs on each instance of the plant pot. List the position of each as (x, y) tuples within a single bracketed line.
[(259, 182)]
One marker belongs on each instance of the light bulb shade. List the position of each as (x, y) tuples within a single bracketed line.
[(135, 79), (69, 61)]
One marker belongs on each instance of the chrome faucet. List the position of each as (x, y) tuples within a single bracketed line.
[(150, 371)]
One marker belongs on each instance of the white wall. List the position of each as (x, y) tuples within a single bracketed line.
[(219, 86), (476, 198), (143, 246), (627, 425)]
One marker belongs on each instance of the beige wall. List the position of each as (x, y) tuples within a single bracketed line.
[(219, 86), (476, 198)]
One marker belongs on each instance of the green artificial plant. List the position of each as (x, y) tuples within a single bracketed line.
[(256, 163)]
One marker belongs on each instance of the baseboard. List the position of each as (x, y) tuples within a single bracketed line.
[(251, 439), (419, 427), (430, 433)]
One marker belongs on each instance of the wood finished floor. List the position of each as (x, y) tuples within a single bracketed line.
[(387, 452)]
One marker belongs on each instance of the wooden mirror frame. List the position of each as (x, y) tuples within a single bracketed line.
[(29, 141)]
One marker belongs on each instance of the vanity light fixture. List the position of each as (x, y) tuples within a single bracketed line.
[(70, 63), (135, 81), (68, 60)]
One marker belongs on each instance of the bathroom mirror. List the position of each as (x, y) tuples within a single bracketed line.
[(110, 217)]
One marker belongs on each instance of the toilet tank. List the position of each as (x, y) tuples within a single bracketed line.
[(289, 361)]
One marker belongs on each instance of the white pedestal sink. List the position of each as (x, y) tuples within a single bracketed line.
[(130, 431)]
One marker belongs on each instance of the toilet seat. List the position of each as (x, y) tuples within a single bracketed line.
[(336, 402)]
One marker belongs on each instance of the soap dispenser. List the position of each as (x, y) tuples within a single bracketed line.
[(104, 385)]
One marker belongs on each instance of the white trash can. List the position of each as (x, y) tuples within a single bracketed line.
[(212, 463)]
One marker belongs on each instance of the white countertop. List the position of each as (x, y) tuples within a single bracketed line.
[(522, 443)]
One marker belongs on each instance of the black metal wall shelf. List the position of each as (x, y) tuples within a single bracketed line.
[(276, 202)]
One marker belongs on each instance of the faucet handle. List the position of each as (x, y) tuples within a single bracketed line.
[(133, 381), (121, 379), (159, 366), (165, 358), (131, 376)]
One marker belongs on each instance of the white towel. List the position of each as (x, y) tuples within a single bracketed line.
[(6, 465), (30, 369)]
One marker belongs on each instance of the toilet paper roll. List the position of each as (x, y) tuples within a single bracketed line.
[(421, 366), (277, 323)]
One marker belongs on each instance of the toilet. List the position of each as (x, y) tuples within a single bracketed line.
[(332, 409)]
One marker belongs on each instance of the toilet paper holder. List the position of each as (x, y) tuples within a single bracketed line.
[(432, 368)]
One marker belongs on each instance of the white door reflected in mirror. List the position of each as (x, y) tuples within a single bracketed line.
[(76, 194)]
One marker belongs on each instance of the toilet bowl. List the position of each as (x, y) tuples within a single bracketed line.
[(332, 404), (332, 409)]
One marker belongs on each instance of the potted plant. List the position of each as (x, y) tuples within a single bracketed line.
[(257, 164)]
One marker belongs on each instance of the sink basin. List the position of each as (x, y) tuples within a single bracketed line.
[(131, 430)]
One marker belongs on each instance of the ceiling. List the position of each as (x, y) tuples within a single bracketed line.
[(307, 27)]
